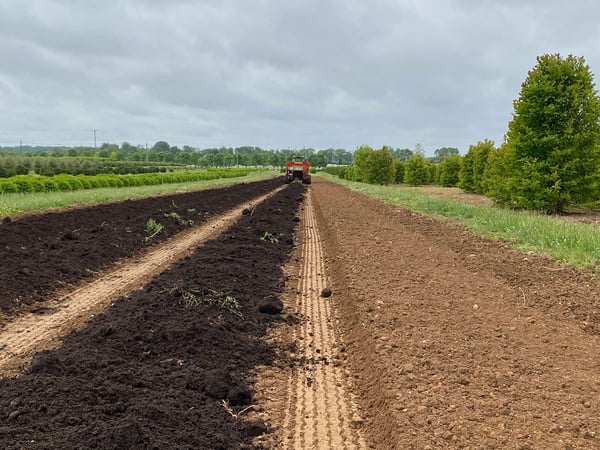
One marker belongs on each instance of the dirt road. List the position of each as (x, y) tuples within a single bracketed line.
[(320, 412)]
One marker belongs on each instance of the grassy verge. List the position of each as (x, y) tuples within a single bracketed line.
[(22, 202), (567, 242)]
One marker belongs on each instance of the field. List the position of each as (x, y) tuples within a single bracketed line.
[(115, 336)]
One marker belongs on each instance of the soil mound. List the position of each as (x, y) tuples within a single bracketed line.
[(42, 253)]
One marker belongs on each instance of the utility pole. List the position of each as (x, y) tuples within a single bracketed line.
[(146, 152), (94, 139), (21, 144)]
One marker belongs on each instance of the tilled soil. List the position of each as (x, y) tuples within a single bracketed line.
[(167, 366), (445, 340), (456, 341), (43, 253)]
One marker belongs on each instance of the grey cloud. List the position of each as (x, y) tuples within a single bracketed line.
[(277, 74)]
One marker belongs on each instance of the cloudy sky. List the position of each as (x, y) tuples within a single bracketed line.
[(274, 73)]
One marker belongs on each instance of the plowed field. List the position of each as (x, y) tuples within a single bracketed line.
[(431, 338)]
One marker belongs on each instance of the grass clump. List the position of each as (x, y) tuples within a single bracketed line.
[(269, 237), (152, 228), (179, 219), (191, 298)]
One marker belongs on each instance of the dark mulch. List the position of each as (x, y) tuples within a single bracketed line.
[(151, 371), (40, 253)]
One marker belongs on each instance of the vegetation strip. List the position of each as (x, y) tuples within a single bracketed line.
[(12, 203), (567, 242)]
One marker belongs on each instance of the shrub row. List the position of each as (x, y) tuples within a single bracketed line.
[(65, 182), (49, 166)]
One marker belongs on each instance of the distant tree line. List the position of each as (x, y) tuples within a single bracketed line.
[(384, 166), (162, 152)]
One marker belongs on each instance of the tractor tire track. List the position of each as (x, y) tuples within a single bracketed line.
[(30, 333), (320, 412)]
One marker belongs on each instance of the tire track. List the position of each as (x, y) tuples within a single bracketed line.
[(30, 333), (319, 409)]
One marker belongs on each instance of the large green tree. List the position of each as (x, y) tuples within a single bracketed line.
[(472, 173), (380, 168), (553, 139), (417, 170), (361, 162), (442, 152), (449, 170)]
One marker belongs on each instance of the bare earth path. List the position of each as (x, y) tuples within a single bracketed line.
[(30, 333), (319, 410), (455, 341)]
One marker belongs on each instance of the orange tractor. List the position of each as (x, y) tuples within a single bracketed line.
[(297, 169)]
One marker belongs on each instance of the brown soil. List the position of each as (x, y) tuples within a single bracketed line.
[(456, 341), (432, 337), (319, 410)]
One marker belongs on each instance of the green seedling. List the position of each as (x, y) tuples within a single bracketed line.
[(178, 218), (152, 228), (269, 237)]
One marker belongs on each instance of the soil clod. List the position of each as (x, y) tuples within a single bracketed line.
[(270, 305), (326, 293)]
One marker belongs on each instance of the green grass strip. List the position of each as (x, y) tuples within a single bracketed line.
[(576, 244), (12, 203)]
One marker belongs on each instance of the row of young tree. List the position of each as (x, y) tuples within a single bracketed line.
[(381, 167), (66, 182), (21, 165), (550, 157)]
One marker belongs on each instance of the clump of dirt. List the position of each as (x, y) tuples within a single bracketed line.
[(271, 305), (153, 373), (326, 293), (46, 252)]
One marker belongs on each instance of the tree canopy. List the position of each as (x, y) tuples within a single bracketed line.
[(552, 141)]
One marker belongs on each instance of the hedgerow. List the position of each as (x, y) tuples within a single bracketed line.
[(65, 182)]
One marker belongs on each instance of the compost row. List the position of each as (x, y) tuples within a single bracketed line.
[(45, 252), (166, 367)]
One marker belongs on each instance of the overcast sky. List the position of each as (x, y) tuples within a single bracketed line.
[(277, 73)]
